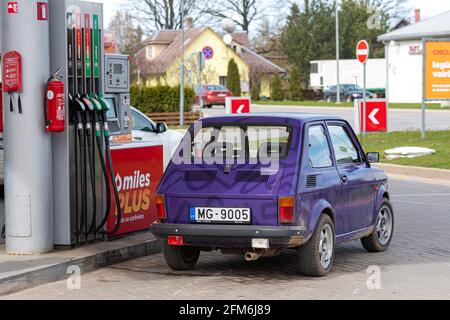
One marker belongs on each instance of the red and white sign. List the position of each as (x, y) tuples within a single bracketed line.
[(42, 11), (13, 8), (138, 172), (362, 51), (376, 115), (237, 105)]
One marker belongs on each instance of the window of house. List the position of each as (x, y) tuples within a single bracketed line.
[(150, 52), (314, 68), (223, 81)]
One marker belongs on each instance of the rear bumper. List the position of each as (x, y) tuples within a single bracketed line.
[(226, 236)]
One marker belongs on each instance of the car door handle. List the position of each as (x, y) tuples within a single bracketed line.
[(344, 178), (138, 138)]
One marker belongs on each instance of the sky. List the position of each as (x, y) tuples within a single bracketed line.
[(428, 8)]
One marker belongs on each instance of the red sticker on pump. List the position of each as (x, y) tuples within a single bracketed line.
[(42, 11), (13, 7)]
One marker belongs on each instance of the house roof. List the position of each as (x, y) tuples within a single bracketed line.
[(241, 38), (437, 26), (259, 63), (160, 64)]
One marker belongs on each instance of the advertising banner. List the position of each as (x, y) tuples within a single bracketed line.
[(138, 173), (437, 70)]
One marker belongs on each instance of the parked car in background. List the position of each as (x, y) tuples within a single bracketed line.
[(212, 95), (349, 93), (320, 191), (146, 130)]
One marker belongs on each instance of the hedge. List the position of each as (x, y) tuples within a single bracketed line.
[(161, 99)]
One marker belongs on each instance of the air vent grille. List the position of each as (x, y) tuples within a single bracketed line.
[(311, 182), (251, 176)]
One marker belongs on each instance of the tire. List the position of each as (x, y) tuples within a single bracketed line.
[(180, 258), (381, 237), (310, 258)]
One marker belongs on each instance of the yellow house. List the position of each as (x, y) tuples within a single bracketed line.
[(159, 61)]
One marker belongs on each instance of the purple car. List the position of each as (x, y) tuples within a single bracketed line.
[(259, 184)]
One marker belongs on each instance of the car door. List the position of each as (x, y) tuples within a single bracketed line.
[(356, 176), (319, 176)]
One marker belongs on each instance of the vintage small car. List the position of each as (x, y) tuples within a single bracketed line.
[(261, 183)]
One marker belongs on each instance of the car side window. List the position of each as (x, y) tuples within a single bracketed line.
[(344, 147), (141, 124), (319, 149)]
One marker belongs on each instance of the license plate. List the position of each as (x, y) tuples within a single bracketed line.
[(221, 95), (221, 215)]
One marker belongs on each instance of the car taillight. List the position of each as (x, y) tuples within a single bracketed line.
[(287, 212), (175, 241), (160, 207)]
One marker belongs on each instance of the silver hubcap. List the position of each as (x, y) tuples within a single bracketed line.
[(384, 226), (326, 246)]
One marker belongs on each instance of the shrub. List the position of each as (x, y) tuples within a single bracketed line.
[(277, 89), (234, 79), (161, 99), (255, 93), (295, 86)]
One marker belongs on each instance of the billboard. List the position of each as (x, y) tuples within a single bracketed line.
[(437, 70)]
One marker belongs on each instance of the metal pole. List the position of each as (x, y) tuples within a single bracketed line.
[(424, 126), (182, 66), (200, 73), (365, 102), (338, 86), (386, 90), (28, 148)]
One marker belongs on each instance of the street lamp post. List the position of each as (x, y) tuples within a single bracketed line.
[(338, 86), (182, 66)]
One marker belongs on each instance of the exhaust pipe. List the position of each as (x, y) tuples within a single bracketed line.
[(253, 256)]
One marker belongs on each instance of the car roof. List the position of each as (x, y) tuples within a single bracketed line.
[(278, 117)]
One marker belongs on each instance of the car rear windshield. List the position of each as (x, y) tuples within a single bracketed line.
[(216, 88), (252, 143)]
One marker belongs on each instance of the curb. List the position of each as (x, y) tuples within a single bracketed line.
[(57, 272), (419, 172)]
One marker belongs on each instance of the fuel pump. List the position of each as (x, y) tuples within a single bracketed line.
[(85, 187)]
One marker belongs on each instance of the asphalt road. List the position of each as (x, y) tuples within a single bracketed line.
[(398, 119), (417, 266)]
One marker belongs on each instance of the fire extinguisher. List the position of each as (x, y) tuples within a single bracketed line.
[(55, 104)]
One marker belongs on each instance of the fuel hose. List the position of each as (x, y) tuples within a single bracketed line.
[(3, 230), (91, 155), (107, 182)]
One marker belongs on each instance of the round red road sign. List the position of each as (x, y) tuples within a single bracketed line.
[(362, 51)]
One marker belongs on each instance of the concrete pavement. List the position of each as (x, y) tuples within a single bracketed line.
[(399, 119), (417, 266)]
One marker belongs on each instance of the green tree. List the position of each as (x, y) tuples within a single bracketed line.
[(234, 78), (309, 33), (277, 88), (295, 86)]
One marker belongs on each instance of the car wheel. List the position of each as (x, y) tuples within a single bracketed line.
[(317, 255), (180, 258), (381, 237)]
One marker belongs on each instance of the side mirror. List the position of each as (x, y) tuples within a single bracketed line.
[(373, 157), (161, 128)]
